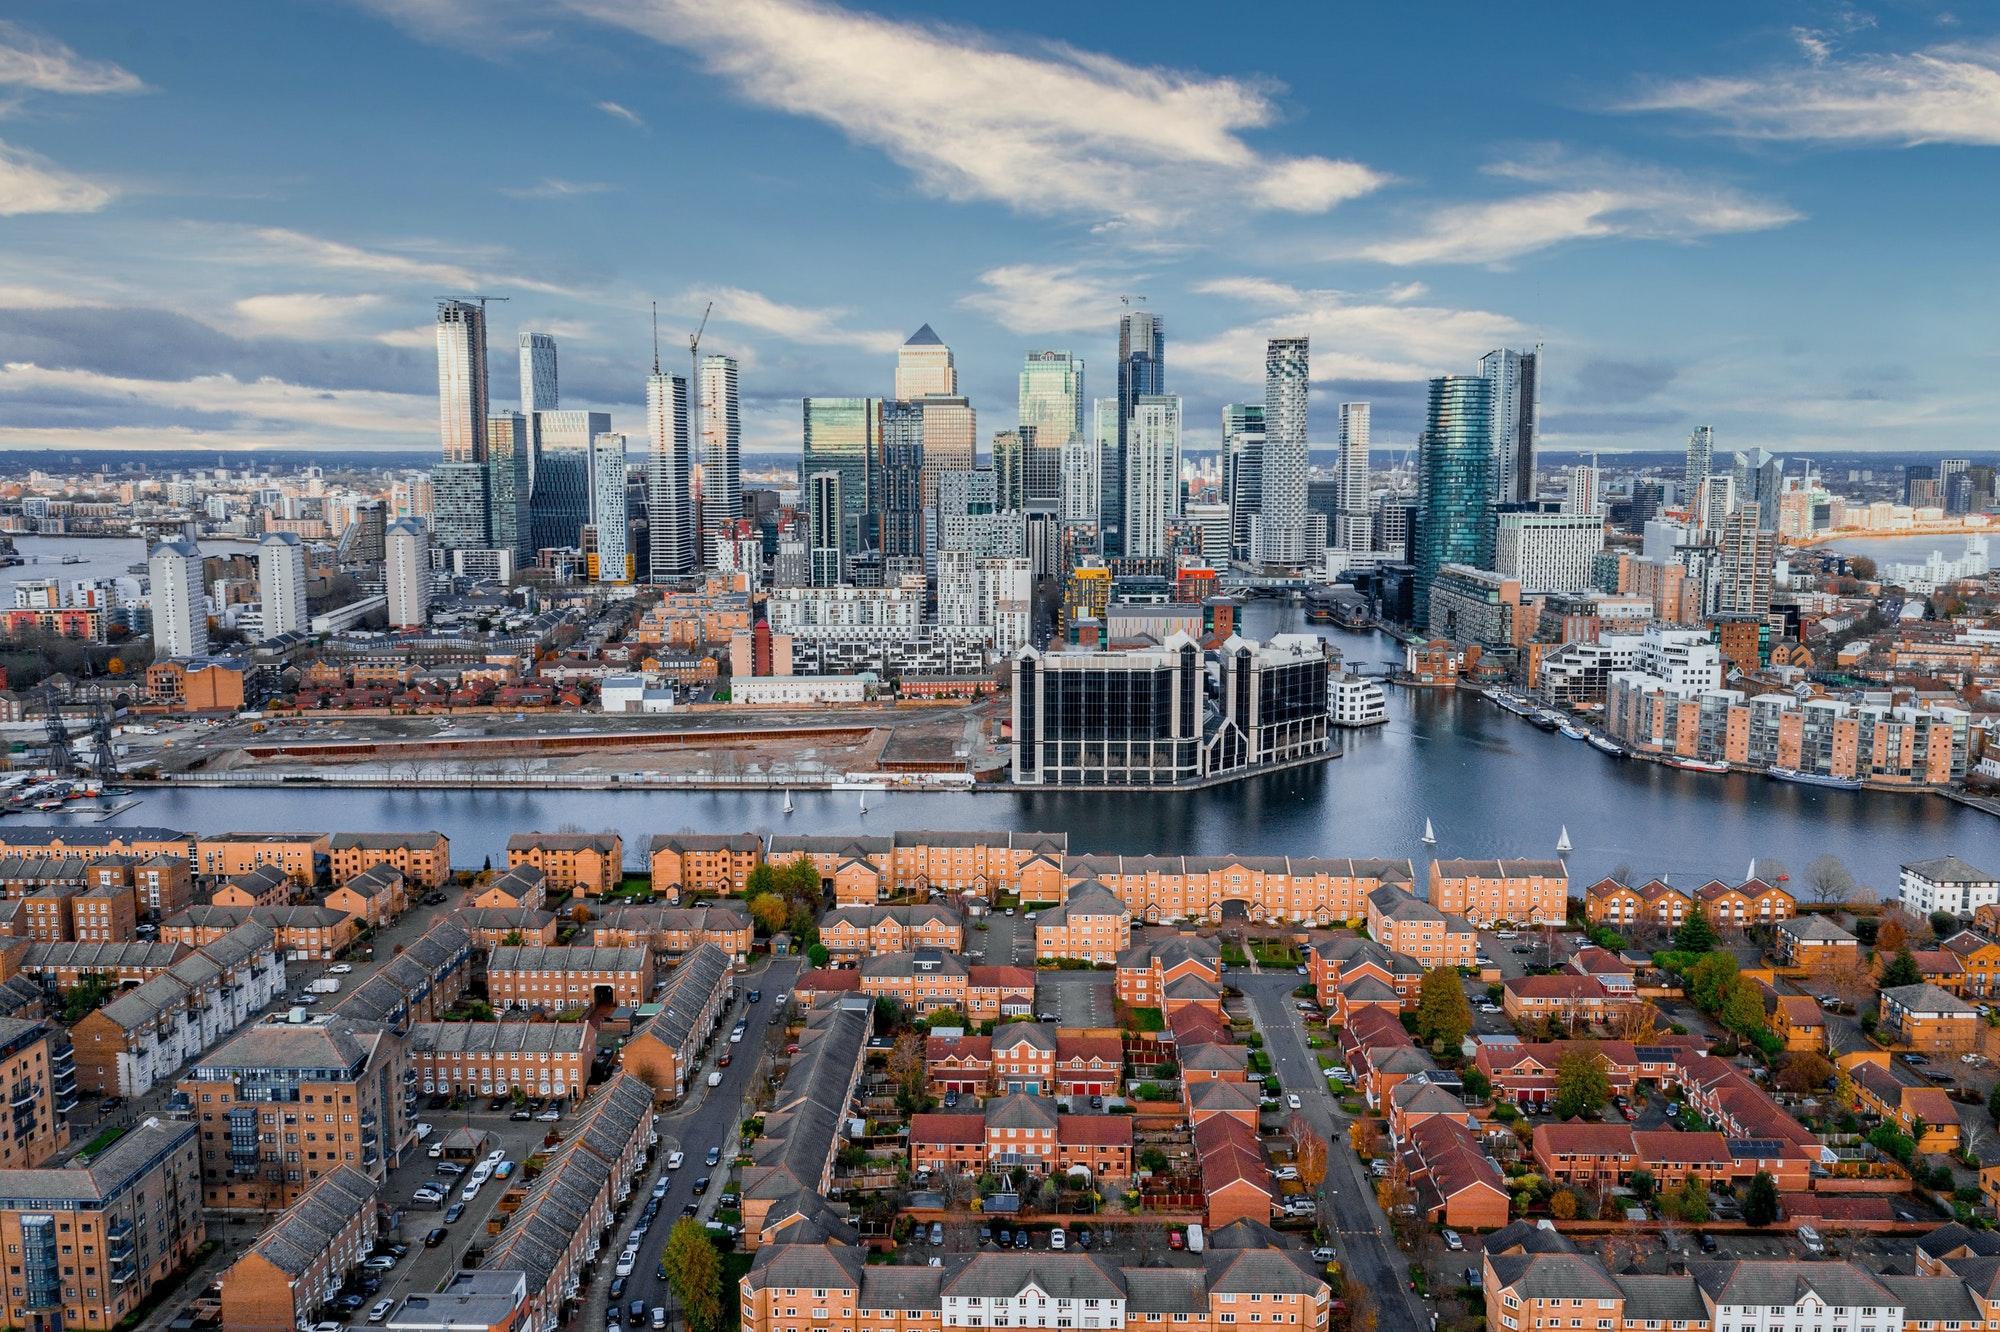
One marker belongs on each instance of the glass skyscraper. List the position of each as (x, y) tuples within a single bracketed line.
[(610, 507), (720, 500), (461, 352), (1454, 483), (670, 520), (902, 478), (560, 508), (459, 506), (844, 436), (508, 484), (1516, 380), (1280, 535), (1051, 401)]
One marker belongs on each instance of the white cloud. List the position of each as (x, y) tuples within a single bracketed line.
[(266, 408), (43, 64), (1046, 298), (1056, 132), (624, 113), (422, 335), (286, 246), (808, 325), (1948, 94), (33, 184), (1583, 199), (554, 187), (302, 314), (1403, 341)]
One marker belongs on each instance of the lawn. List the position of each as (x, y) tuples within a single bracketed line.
[(735, 1266), (102, 1140), (1275, 953), (1146, 1019), (1233, 956)]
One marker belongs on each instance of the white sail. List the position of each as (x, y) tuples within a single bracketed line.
[(864, 802), (788, 800), (1562, 842), (1430, 834)]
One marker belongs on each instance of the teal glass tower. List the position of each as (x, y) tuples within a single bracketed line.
[(1454, 483)]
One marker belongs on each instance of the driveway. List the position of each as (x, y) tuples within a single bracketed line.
[(1360, 1228)]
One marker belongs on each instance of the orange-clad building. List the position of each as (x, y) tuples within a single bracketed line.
[(1563, 997), (1979, 958), (205, 684), (1090, 925), (523, 888), (1752, 902), (1798, 1022), (291, 1270), (861, 931), (1413, 927), (1813, 942), (423, 857), (1023, 1131), (1235, 1174), (1307, 890), (1609, 902), (703, 863), (106, 914), (1490, 892), (1147, 968), (304, 857), (1924, 1017), (589, 864), (373, 897), (266, 885)]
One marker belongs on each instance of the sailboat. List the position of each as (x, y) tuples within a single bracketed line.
[(1562, 842), (864, 802), (1430, 834), (788, 800)]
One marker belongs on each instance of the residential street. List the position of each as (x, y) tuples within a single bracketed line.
[(1361, 1231)]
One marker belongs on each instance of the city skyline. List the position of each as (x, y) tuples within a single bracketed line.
[(1663, 215)]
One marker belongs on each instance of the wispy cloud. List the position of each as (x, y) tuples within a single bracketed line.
[(30, 183), (813, 326), (1046, 298), (624, 113), (303, 314), (554, 187), (1402, 341), (42, 64), (1947, 94), (1053, 131), (283, 245), (1579, 198), (262, 407)]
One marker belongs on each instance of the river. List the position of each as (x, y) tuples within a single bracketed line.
[(1490, 783)]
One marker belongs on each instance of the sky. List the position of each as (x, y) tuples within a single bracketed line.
[(228, 229)]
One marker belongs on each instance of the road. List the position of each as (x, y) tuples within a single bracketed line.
[(1360, 1228), (710, 1119)]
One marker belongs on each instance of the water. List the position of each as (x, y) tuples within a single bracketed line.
[(1901, 550), (106, 557), (1492, 784)]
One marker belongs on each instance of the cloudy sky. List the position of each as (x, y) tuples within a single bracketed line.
[(226, 230)]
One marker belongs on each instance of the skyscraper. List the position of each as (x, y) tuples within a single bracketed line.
[(1242, 417), (1700, 460), (461, 352), (1243, 484), (509, 484), (924, 367), (1110, 475), (1745, 560), (721, 453), (902, 514), (1142, 359), (1152, 473), (1051, 403), (1282, 531), (1516, 378), (560, 506), (407, 573), (1454, 483), (460, 506), (951, 440), (1010, 467), (177, 599), (1357, 519), (1585, 486), (281, 584), (610, 510), (823, 527), (844, 436), (538, 374), (670, 521), (1759, 478)]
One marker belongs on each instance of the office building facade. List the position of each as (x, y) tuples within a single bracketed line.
[(843, 436), (560, 506), (670, 514), (461, 353), (1152, 473), (510, 484), (1515, 401), (1454, 482)]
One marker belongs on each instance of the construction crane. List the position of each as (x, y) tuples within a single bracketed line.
[(696, 447), (61, 757), (1129, 300), (481, 299)]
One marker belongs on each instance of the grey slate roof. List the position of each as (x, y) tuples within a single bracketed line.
[(1948, 869), (309, 1226), (1784, 1283), (109, 1174), (566, 959)]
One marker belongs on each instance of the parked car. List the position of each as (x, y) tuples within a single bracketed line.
[(435, 1236), (617, 1293), (755, 995), (1058, 1240), (1707, 1242), (453, 1212), (380, 1262), (339, 969), (1292, 1101), (1811, 1240), (1323, 1254), (723, 1062), (627, 1260), (1452, 1241), (700, 1185), (637, 1311), (714, 1155), (1174, 1240), (937, 1233), (986, 1234), (380, 1311), (1021, 1238), (674, 1160), (450, 1168), (1083, 1237)]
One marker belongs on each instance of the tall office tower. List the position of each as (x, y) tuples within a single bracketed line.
[(460, 506), (1949, 478), (610, 508), (509, 484), (1585, 489), (1700, 460), (1919, 484), (951, 440), (1745, 559), (903, 445), (1152, 473), (670, 521), (1454, 522), (538, 393), (1051, 403), (1082, 485), (924, 367), (461, 349), (823, 527), (1759, 479), (281, 584), (407, 573), (1241, 418), (721, 453), (844, 436), (560, 505), (1714, 499), (177, 599), (1516, 378), (1356, 529), (1142, 365), (1010, 467), (1104, 420), (1242, 486), (1280, 533)]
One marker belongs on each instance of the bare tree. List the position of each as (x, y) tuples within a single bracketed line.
[(1828, 880)]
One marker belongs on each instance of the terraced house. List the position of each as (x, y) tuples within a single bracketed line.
[(1488, 892), (1147, 968), (87, 1245), (304, 857), (676, 930), (588, 864), (863, 931), (791, 1162), (663, 1051), (1026, 1132), (1309, 890), (717, 864), (284, 1103), (423, 857), (261, 885), (1413, 927), (493, 1058), (303, 933), (522, 888), (559, 979), (373, 897), (294, 1269)]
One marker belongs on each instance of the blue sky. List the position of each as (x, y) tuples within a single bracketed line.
[(226, 231)]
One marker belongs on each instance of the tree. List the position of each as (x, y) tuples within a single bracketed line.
[(1843, 1090), (1827, 880), (818, 955), (581, 914), (1742, 1009), (693, 1270), (1636, 1022), (1361, 1315), (1846, 979), (1443, 1015), (1695, 934), (761, 879), (1563, 1206), (769, 910), (513, 938), (1365, 1136), (1641, 1181), (1692, 1200), (1902, 968), (1709, 980), (1892, 933), (1861, 567), (1760, 1200), (906, 1068), (1993, 1103), (1582, 1083), (1803, 1071)]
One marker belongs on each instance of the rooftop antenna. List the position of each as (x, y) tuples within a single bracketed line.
[(656, 337), (695, 445)]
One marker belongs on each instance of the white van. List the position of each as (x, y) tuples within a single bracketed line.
[(1810, 1238), (715, 1078)]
